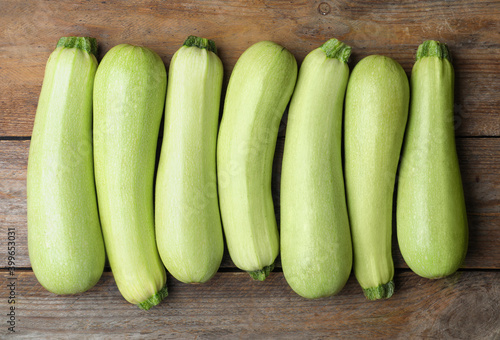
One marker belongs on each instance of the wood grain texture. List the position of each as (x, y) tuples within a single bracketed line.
[(395, 29), (231, 305), (478, 162)]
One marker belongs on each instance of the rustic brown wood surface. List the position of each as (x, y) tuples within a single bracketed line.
[(465, 305), (232, 305), (32, 28)]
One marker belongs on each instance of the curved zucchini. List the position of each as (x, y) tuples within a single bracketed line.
[(431, 217), (64, 234), (129, 93), (188, 224), (316, 249), (259, 90), (376, 113)]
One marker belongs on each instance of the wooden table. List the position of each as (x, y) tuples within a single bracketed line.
[(465, 305)]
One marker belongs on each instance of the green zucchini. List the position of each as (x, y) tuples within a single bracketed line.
[(129, 94), (316, 249), (259, 89), (375, 118), (65, 243), (431, 216), (188, 224)]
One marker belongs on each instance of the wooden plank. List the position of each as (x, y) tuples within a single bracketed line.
[(231, 305), (394, 29), (13, 167), (478, 161)]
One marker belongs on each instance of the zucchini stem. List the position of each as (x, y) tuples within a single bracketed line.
[(155, 299), (262, 274), (383, 291), (201, 43), (336, 49), (84, 43), (432, 48)]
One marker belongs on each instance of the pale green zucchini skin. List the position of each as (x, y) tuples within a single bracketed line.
[(375, 118), (129, 93), (431, 216), (259, 89), (65, 243), (316, 249), (188, 223)]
